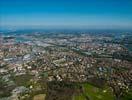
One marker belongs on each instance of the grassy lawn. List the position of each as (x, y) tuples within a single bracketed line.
[(94, 93), (79, 97)]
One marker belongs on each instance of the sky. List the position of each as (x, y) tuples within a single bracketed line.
[(66, 13)]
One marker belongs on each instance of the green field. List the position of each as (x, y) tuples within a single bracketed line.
[(22, 80), (91, 92)]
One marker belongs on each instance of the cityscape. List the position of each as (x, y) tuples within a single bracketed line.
[(65, 50), (66, 66)]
